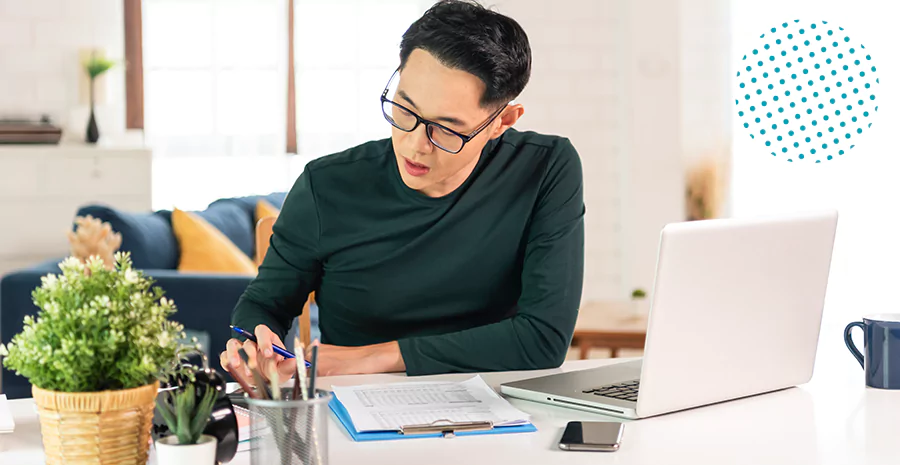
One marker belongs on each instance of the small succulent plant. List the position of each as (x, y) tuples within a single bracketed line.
[(186, 413)]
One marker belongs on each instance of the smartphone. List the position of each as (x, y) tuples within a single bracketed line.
[(592, 436)]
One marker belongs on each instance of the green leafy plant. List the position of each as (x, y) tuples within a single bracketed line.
[(97, 65), (638, 294), (97, 329), (184, 414)]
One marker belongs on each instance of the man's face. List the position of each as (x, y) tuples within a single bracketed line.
[(449, 97)]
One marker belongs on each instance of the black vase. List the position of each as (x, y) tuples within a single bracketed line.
[(93, 132)]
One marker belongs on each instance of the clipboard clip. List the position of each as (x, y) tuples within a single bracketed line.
[(447, 428)]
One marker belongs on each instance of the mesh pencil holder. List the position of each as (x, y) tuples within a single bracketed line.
[(289, 432)]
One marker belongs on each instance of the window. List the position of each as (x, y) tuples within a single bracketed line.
[(215, 89), (345, 52), (214, 77)]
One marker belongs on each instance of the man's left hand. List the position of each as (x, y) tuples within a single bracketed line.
[(376, 358)]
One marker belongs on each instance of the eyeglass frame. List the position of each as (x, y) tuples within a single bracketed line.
[(419, 120)]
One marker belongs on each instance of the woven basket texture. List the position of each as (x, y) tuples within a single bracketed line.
[(107, 427)]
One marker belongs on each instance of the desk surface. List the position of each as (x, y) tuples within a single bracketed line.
[(817, 423)]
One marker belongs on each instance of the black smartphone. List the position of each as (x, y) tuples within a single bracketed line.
[(592, 436)]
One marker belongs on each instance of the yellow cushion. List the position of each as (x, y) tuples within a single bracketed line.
[(265, 209), (205, 249)]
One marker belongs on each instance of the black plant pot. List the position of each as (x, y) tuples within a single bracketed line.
[(223, 420)]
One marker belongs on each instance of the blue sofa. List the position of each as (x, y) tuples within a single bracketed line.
[(204, 301)]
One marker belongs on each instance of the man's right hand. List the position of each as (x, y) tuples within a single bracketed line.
[(260, 357)]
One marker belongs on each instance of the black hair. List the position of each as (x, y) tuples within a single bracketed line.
[(467, 36)]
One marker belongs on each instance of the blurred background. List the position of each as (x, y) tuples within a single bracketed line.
[(223, 102)]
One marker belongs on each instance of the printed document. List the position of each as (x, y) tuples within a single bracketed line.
[(388, 407)]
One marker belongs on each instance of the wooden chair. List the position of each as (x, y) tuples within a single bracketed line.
[(263, 235)]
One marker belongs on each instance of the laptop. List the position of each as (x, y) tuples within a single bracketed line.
[(735, 311)]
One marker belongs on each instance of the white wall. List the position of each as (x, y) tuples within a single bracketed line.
[(627, 83), (577, 89), (862, 185), (705, 87), (39, 61)]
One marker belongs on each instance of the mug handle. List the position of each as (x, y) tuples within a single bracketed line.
[(849, 341)]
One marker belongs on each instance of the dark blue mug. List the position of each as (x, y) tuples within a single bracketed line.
[(882, 346)]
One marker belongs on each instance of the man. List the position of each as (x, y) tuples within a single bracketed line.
[(455, 245)]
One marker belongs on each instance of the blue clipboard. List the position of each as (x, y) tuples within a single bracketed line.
[(344, 417)]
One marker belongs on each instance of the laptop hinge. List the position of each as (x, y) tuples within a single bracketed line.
[(594, 407)]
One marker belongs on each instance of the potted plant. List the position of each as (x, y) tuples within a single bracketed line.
[(95, 354), (95, 66), (639, 298), (186, 411)]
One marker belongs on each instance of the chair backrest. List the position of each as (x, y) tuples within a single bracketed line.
[(263, 238)]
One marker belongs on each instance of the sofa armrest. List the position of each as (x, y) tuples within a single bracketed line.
[(15, 303)]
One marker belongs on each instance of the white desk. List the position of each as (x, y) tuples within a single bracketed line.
[(824, 422)]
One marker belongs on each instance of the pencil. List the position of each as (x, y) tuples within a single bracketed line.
[(239, 377), (273, 378), (257, 378), (312, 369), (301, 371), (295, 392)]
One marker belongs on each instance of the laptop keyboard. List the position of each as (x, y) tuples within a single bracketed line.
[(622, 391)]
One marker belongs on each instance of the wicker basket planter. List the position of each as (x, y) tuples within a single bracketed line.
[(107, 427)]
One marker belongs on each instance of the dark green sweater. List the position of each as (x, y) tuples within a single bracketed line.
[(486, 278)]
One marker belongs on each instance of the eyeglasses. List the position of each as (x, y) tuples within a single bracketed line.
[(441, 136)]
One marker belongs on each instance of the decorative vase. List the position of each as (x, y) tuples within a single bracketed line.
[(170, 452), (640, 306), (96, 427), (93, 132)]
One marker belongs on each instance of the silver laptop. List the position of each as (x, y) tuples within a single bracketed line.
[(735, 311)]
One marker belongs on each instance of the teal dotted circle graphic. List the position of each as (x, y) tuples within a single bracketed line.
[(807, 91)]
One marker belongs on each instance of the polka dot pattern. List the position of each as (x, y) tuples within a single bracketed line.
[(807, 91)]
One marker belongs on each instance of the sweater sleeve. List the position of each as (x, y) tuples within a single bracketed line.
[(291, 269), (539, 334)]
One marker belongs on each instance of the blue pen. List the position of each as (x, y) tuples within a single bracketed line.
[(278, 350)]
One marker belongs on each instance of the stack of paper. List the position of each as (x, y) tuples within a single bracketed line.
[(243, 421), (7, 425), (389, 407)]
